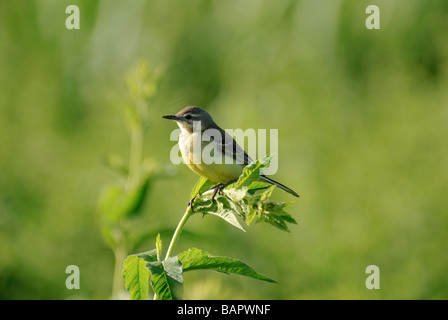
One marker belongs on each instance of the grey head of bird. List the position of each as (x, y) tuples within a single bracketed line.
[(187, 117)]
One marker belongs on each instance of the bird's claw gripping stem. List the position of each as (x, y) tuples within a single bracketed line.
[(190, 203)]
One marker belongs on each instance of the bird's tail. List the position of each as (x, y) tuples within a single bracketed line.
[(285, 188)]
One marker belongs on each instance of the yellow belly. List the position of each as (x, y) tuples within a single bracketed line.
[(221, 172)]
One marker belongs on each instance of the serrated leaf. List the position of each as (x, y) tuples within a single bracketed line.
[(251, 172), (267, 193), (136, 277), (276, 221), (220, 207), (203, 205), (236, 194), (166, 278), (232, 203), (279, 210), (225, 212), (244, 200), (272, 213), (197, 259)]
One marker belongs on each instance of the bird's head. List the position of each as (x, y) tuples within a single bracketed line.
[(187, 117)]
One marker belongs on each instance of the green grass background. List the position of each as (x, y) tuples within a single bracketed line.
[(362, 118)]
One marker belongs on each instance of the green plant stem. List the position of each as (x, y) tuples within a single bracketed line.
[(135, 156), (178, 231), (120, 252), (176, 235), (117, 285)]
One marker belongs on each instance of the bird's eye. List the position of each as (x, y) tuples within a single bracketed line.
[(188, 116)]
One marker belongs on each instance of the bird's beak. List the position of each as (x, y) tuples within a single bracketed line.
[(171, 117)]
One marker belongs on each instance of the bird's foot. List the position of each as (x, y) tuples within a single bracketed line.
[(217, 189), (190, 203)]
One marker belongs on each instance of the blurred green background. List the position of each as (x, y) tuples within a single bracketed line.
[(362, 118)]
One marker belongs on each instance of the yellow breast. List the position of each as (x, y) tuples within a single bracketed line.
[(221, 172)]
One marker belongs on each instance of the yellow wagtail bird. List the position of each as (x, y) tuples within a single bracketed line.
[(233, 157)]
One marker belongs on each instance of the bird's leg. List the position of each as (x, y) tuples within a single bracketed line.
[(218, 189), (190, 203)]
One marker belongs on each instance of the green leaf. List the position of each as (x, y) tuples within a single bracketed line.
[(204, 205), (136, 277), (221, 207), (115, 202), (201, 186), (276, 221), (159, 247), (267, 193), (109, 236), (226, 212), (142, 80), (236, 195), (256, 186), (166, 278), (251, 215), (251, 172), (148, 256), (274, 214), (115, 163), (279, 210), (249, 199), (197, 259)]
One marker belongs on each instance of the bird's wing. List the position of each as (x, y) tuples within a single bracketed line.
[(228, 146)]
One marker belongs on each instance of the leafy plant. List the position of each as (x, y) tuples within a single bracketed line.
[(120, 203), (247, 200)]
